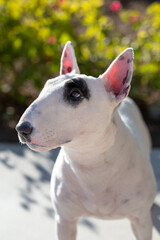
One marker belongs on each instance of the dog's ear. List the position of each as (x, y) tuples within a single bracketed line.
[(68, 60), (117, 77)]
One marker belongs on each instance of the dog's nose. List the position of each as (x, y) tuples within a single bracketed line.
[(24, 129)]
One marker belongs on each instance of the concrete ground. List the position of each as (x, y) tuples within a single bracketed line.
[(25, 207)]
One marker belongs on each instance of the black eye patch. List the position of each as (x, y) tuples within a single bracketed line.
[(75, 90)]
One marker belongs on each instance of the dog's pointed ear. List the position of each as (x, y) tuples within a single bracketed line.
[(117, 77), (68, 60)]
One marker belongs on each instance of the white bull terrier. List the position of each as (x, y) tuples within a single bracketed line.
[(103, 169)]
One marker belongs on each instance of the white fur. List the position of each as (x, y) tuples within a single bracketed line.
[(103, 169)]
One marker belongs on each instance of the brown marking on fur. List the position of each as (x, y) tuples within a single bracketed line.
[(125, 78), (130, 60), (121, 57), (69, 69)]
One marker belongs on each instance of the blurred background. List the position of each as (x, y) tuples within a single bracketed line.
[(32, 36)]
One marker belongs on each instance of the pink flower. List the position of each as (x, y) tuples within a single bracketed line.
[(115, 6), (51, 39), (61, 1), (54, 6), (133, 19)]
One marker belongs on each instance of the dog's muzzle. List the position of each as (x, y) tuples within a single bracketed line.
[(24, 130)]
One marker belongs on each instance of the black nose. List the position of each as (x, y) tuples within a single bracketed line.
[(24, 129)]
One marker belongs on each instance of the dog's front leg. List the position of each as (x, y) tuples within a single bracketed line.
[(65, 229), (142, 227)]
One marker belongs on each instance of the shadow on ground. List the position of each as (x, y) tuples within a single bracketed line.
[(35, 170)]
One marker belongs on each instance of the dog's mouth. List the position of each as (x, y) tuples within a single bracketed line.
[(41, 148), (33, 146)]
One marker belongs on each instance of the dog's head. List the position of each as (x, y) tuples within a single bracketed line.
[(75, 105)]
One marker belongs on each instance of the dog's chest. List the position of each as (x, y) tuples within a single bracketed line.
[(108, 204), (98, 197), (111, 197), (110, 190)]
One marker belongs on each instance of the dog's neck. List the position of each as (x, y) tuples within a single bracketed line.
[(89, 148), (104, 157)]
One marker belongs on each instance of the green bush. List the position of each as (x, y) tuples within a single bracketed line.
[(33, 32), (146, 44)]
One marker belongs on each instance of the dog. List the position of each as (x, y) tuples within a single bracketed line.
[(103, 169)]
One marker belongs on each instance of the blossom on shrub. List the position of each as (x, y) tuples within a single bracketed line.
[(51, 39), (115, 6), (134, 19), (54, 6)]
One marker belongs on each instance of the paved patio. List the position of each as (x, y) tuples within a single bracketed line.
[(25, 207)]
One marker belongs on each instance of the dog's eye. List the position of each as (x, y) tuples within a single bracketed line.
[(75, 94)]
